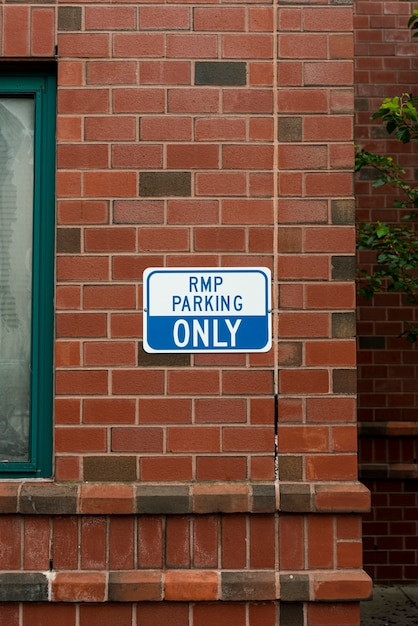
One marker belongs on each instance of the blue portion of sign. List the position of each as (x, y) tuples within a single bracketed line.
[(207, 310), (217, 334)]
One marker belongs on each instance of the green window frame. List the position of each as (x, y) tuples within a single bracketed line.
[(38, 87)]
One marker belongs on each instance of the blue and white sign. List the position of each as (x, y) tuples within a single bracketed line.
[(207, 309)]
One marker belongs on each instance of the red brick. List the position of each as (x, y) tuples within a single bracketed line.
[(304, 325), (249, 382), (150, 542), (320, 541), (83, 101), (195, 585), (188, 212), (75, 382), (138, 45), (43, 32), (192, 46), (120, 128), (247, 211), (84, 45), (303, 439), (167, 17), (247, 101), (249, 439), (349, 554), (130, 267), (80, 439), (292, 542), (330, 296), (82, 268), (262, 541), (11, 532), (326, 19), (196, 100), (338, 353), (330, 409), (111, 73), (137, 156), (261, 19), (67, 410), (145, 100), (108, 411), (205, 541), (220, 410), (109, 296), (93, 541), (81, 325), (40, 614), (65, 544), (16, 31), (9, 614), (303, 101), (320, 614), (234, 542), (142, 439), (337, 128), (125, 325), (78, 587), (247, 157), (152, 239), (222, 128), (110, 239), (331, 184), (192, 156), (134, 382), (166, 128), (68, 184), (303, 157), (165, 468), (82, 212), (110, 18), (157, 613), (165, 72), (193, 439), (202, 382), (106, 615), (178, 541), (220, 613), (248, 46), (164, 411), (303, 46), (219, 19), (307, 266), (67, 353), (222, 468), (335, 467), (304, 381), (110, 183), (207, 239)]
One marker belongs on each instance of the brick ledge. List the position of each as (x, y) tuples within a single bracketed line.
[(49, 498), (185, 586)]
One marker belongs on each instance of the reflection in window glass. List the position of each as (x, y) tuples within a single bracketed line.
[(16, 210)]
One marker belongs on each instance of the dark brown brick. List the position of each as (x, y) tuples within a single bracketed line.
[(343, 267), (344, 381), (343, 325), (245, 586), (294, 587), (291, 468), (290, 129), (291, 614), (69, 18), (158, 184), (163, 500), (47, 499), (343, 211), (23, 587), (295, 498), (69, 240), (264, 498), (156, 359), (220, 73), (372, 343), (109, 468)]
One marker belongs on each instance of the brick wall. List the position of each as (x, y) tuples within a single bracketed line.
[(195, 134), (386, 66)]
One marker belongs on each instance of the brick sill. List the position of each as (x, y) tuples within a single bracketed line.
[(49, 498), (389, 471), (185, 586)]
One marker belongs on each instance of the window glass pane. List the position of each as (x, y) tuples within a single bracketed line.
[(16, 215)]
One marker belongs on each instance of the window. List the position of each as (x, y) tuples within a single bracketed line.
[(27, 174)]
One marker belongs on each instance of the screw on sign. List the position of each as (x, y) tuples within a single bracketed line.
[(207, 309)]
